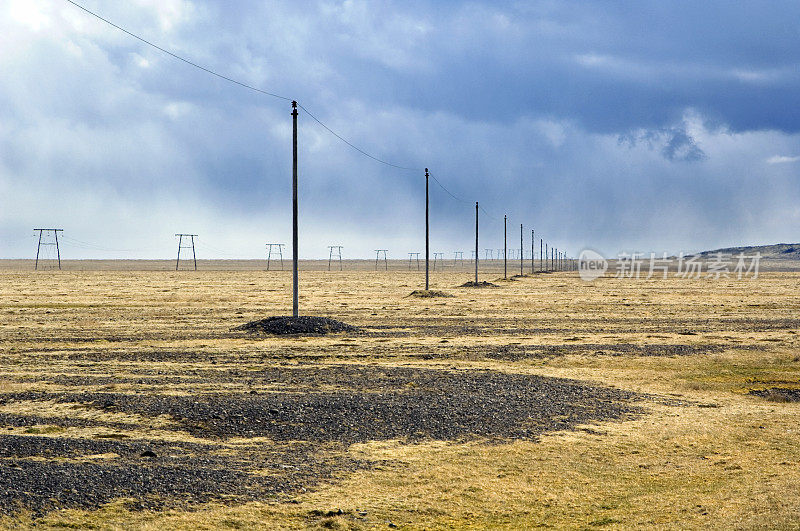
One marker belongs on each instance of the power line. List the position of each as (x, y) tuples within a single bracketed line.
[(337, 135), (490, 216), (451, 194), (241, 84), (272, 94), (178, 57), (96, 247)]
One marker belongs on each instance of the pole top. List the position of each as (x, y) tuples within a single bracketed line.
[(294, 104)]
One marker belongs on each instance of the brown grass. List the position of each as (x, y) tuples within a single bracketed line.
[(706, 455)]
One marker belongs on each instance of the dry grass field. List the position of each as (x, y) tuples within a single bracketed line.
[(128, 399)]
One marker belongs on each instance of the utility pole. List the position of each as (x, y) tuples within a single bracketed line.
[(476, 243), (39, 246), (547, 257), (180, 246), (438, 257), (295, 254), (269, 253), (427, 235), (412, 256), (338, 249), (521, 253), (385, 260), (505, 246), (533, 252)]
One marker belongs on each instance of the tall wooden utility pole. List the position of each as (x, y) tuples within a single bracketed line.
[(476, 243), (295, 274), (427, 235), (521, 253), (533, 252)]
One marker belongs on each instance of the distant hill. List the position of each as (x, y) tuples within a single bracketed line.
[(778, 251)]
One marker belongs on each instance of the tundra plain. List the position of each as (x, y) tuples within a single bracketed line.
[(129, 399)]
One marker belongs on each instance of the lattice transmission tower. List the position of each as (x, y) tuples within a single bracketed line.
[(335, 252), (43, 241), (181, 245), (279, 252)]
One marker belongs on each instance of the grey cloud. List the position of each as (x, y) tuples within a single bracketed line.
[(97, 130)]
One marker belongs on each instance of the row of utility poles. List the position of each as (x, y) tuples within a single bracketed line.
[(554, 259)]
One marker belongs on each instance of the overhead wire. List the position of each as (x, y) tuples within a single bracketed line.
[(17, 240), (205, 246), (73, 242), (337, 135), (274, 95), (176, 56), (451, 194), (261, 91)]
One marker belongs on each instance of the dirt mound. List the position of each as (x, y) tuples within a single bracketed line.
[(282, 325), (473, 284), (428, 293)]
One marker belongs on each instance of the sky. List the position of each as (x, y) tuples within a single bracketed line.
[(648, 126)]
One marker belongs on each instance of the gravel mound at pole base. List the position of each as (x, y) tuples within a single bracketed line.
[(284, 325), (428, 293), (482, 284)]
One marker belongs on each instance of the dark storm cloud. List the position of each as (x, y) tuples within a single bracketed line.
[(670, 125)]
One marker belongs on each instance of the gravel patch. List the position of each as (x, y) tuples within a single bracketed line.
[(311, 414), (283, 325), (778, 394), (349, 404), (154, 475), (523, 352)]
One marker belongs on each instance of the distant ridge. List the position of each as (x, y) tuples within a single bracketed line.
[(777, 251)]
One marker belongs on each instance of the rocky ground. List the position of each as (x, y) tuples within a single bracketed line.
[(308, 415)]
